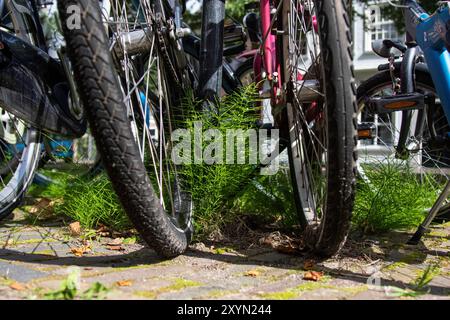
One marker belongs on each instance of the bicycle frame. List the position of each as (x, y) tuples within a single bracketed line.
[(33, 85), (430, 33), (267, 58)]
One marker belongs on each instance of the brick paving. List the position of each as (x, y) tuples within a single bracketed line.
[(35, 260)]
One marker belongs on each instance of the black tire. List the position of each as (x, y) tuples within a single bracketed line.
[(326, 219), (245, 69), (101, 95)]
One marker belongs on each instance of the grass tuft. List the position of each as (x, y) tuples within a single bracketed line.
[(214, 187), (393, 197), (93, 202)]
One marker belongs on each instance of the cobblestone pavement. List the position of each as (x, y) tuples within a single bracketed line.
[(35, 260)]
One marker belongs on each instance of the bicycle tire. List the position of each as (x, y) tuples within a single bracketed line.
[(101, 95), (325, 237)]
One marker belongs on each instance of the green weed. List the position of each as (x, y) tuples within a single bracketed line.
[(93, 202), (215, 186), (69, 290), (420, 284), (393, 197)]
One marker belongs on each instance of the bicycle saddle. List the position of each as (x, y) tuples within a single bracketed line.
[(385, 48)]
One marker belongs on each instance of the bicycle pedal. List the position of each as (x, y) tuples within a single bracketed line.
[(400, 102)]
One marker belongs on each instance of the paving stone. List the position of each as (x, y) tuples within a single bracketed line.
[(270, 257), (19, 273), (205, 273)]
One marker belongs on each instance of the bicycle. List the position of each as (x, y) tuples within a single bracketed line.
[(164, 216), (417, 91), (16, 154), (34, 98), (311, 67)]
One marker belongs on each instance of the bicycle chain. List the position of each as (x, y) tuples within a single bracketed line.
[(162, 29)]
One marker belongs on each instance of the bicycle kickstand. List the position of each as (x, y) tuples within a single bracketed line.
[(431, 216)]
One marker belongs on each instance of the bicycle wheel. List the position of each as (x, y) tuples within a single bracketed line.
[(427, 146), (19, 142), (320, 117), (132, 97)]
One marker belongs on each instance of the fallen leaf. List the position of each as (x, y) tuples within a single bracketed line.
[(313, 276), (115, 248), (103, 231), (43, 207), (252, 273), (75, 228), (115, 242), (17, 286), (80, 251), (124, 283), (309, 264)]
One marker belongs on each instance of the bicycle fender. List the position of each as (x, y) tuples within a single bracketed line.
[(33, 87)]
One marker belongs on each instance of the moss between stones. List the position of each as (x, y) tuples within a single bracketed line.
[(310, 286), (30, 241), (182, 284), (146, 294), (223, 250), (297, 291), (287, 295), (414, 257), (215, 294), (439, 233), (394, 266), (178, 285), (4, 281), (49, 253)]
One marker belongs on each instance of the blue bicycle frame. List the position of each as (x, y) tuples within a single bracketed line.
[(431, 33)]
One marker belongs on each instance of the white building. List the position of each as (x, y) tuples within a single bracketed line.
[(369, 24)]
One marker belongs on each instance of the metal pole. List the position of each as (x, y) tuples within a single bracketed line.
[(211, 50)]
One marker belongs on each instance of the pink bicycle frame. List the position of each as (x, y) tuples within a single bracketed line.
[(267, 58)]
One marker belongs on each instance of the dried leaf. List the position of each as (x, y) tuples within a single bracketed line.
[(17, 286), (124, 283), (252, 273), (75, 229), (115, 242), (313, 276), (103, 231), (115, 248), (309, 264), (80, 251), (43, 208)]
